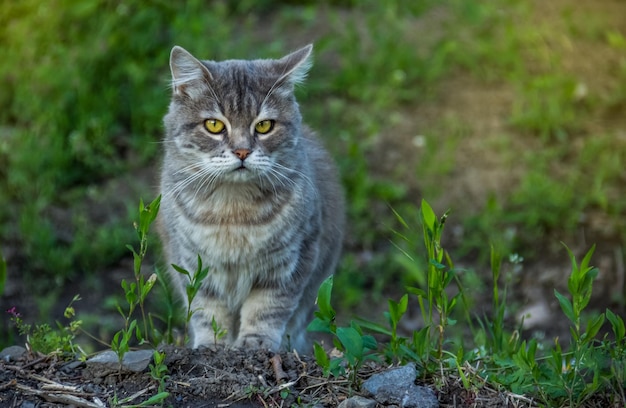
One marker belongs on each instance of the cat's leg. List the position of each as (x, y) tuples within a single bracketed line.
[(202, 331), (264, 316), (296, 336)]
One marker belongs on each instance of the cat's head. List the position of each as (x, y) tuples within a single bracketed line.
[(235, 120)]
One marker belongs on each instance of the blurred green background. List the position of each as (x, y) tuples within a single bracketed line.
[(510, 113)]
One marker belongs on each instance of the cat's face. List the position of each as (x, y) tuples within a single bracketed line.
[(234, 121)]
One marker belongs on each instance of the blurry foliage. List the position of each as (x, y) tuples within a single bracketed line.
[(85, 89), (85, 86)]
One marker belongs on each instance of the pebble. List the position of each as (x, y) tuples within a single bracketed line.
[(357, 402), (397, 387), (12, 353), (107, 362)]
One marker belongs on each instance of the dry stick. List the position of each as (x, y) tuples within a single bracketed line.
[(277, 365), (11, 383), (36, 361), (137, 394), (60, 398)]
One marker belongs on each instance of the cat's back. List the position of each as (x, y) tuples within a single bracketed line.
[(327, 178)]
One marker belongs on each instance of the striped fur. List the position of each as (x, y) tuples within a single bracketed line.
[(271, 231)]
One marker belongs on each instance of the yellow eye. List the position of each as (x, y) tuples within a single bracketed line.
[(214, 126), (264, 126)]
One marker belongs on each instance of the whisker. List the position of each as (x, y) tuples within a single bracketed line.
[(203, 177), (298, 172)]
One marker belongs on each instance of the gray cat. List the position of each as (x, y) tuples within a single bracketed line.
[(251, 190)]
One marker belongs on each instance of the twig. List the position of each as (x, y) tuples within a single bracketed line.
[(136, 395), (9, 384), (277, 365), (36, 361), (60, 398)]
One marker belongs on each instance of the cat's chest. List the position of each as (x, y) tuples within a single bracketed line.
[(230, 243), (231, 231)]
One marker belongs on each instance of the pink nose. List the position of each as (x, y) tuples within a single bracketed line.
[(242, 153)]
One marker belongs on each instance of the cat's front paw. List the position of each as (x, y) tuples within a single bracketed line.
[(257, 342)]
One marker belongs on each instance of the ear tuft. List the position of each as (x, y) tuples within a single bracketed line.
[(188, 73), (296, 65)]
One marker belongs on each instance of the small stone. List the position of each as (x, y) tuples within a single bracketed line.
[(71, 366), (12, 353), (397, 387), (399, 376), (107, 362), (414, 396), (137, 361), (357, 402)]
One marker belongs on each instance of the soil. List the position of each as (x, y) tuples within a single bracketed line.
[(208, 378)]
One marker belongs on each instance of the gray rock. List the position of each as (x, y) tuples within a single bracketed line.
[(357, 402), (399, 376), (413, 396), (12, 353), (397, 387), (107, 362)]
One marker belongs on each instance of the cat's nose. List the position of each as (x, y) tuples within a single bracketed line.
[(242, 153)]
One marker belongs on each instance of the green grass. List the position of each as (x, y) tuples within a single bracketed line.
[(587, 371)]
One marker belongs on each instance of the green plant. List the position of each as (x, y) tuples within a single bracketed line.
[(571, 377), (192, 288), (439, 276), (556, 377), (218, 331), (44, 339), (495, 337), (137, 292), (150, 402), (356, 346), (582, 363), (158, 372)]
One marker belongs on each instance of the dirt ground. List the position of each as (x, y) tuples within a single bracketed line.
[(208, 378)]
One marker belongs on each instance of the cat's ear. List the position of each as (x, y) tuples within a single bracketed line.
[(294, 67), (189, 75)]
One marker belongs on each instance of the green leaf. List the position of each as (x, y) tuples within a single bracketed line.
[(421, 342), (324, 297), (417, 291), (147, 215), (336, 367), (115, 341), (320, 356), (374, 327), (181, 270), (496, 264), (147, 286), (400, 219), (566, 306), (428, 216), (352, 342), (136, 262), (594, 327), (201, 275), (369, 342), (156, 398), (617, 323), (397, 309), (319, 325), (438, 265)]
